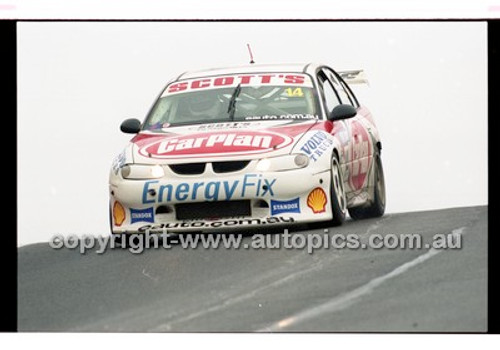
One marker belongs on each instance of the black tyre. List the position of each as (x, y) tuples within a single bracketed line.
[(377, 207), (110, 219), (339, 200)]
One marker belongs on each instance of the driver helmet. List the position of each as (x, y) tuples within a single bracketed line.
[(205, 104)]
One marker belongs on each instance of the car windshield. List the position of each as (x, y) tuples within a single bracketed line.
[(234, 98)]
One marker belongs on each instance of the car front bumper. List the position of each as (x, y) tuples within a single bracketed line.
[(275, 198)]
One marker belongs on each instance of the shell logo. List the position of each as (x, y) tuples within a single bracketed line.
[(118, 214), (316, 200)]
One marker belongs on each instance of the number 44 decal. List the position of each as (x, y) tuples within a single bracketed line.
[(297, 92)]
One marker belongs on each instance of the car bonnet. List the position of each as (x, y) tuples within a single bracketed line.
[(218, 141)]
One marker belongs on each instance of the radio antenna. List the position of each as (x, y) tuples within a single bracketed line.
[(251, 55)]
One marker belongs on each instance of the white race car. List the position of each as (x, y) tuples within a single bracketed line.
[(245, 147)]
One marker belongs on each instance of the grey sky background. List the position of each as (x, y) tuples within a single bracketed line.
[(77, 81)]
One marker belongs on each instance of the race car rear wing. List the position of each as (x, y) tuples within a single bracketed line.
[(354, 76)]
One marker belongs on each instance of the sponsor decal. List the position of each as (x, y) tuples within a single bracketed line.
[(215, 144), (137, 215), (218, 223), (282, 116), (118, 214), (361, 155), (243, 79), (216, 126), (317, 145), (118, 162), (316, 200), (279, 207), (158, 126), (297, 92), (250, 185)]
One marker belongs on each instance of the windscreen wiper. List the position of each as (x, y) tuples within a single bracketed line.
[(232, 102)]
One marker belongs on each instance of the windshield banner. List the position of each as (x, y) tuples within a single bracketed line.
[(225, 81)]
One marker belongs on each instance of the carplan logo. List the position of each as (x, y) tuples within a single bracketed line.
[(216, 144)]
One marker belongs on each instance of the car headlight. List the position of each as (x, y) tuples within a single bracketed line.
[(142, 171), (283, 163)]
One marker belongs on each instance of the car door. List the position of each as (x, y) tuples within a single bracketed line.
[(359, 148), (340, 129)]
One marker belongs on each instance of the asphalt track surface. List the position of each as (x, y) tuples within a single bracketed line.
[(274, 290)]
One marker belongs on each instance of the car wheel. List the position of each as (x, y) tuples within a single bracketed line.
[(110, 219), (339, 200), (377, 207)]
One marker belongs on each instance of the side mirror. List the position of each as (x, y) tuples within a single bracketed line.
[(342, 112), (131, 126)]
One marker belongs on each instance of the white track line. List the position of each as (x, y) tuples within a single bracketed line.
[(346, 300), (234, 300)]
